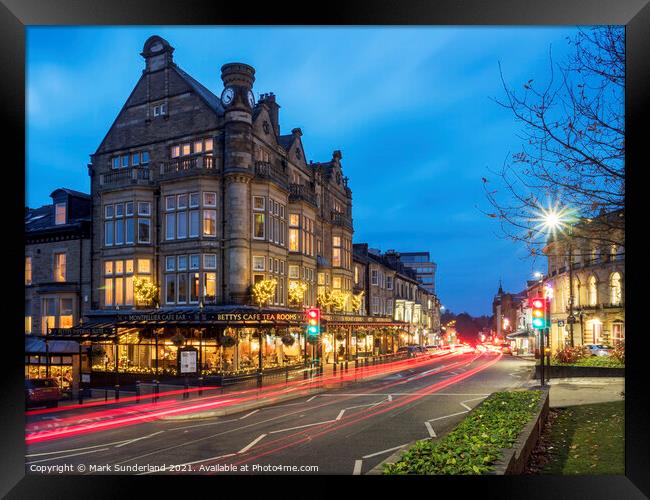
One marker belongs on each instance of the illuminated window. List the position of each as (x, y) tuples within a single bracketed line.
[(59, 267), (356, 275), (208, 144), (176, 151), (108, 291), (209, 222), (144, 266), (336, 251), (28, 316), (48, 314), (294, 240), (128, 283), (198, 146), (194, 287), (336, 283), (186, 149), (259, 263), (66, 315), (28, 270), (593, 291), (59, 215), (209, 287), (259, 226), (294, 272), (119, 267), (616, 290)]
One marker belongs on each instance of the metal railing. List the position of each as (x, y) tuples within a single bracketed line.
[(340, 219), (188, 164)]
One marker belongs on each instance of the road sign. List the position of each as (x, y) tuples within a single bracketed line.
[(560, 322)]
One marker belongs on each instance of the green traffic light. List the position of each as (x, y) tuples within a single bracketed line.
[(538, 323)]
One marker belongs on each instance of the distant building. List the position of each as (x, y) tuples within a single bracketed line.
[(57, 282), (504, 309), (424, 268)]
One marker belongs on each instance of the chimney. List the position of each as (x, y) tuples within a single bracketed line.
[(274, 110), (157, 53)]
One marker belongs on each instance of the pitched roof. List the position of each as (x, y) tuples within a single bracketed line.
[(72, 192), (211, 100), (286, 141)]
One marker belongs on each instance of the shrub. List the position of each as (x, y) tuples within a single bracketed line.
[(619, 352), (569, 354)]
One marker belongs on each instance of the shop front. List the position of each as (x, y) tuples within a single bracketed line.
[(145, 345), (56, 359)]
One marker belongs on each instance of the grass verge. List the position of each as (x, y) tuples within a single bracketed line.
[(585, 439), (595, 361), (476, 442)]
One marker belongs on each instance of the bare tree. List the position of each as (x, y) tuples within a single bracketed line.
[(573, 145)]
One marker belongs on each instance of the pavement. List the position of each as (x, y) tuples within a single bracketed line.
[(581, 391), (346, 428)]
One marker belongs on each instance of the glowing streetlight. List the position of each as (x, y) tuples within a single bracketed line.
[(552, 220)]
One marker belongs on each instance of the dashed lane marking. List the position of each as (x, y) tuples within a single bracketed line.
[(252, 443)]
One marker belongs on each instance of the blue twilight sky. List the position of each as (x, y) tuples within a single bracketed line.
[(409, 108)]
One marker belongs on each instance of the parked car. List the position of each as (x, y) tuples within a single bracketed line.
[(506, 349), (42, 392), (413, 350), (598, 349)]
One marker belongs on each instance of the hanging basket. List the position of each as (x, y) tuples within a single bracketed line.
[(288, 340), (361, 335), (178, 340), (228, 341)]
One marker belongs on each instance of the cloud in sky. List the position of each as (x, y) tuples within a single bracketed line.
[(409, 107)]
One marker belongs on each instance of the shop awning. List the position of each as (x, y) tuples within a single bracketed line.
[(520, 334), (34, 345)]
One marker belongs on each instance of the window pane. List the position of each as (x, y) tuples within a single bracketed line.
[(209, 222), (135, 159), (59, 267), (144, 266), (194, 200), (209, 287), (145, 157), (182, 201), (176, 151), (125, 161), (108, 211), (258, 263), (294, 220), (116, 162), (186, 149), (129, 266), (144, 208), (143, 230), (170, 202), (294, 240), (259, 226), (208, 144), (130, 229), (119, 291), (108, 291), (128, 281), (182, 262), (108, 233), (119, 231), (194, 223), (210, 261), (128, 208), (182, 288), (119, 209), (108, 267), (170, 263), (258, 203), (209, 199), (194, 287), (198, 146), (170, 226), (194, 261), (181, 225), (170, 287), (119, 267)]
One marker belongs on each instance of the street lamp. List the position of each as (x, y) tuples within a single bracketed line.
[(554, 220)]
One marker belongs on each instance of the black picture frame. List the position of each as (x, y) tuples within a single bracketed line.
[(15, 15)]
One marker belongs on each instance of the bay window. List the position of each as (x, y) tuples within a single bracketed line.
[(59, 267), (209, 222)]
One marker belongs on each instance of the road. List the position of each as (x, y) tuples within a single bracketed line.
[(343, 430)]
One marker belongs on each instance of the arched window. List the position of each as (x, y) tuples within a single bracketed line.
[(615, 289), (576, 292), (592, 291)]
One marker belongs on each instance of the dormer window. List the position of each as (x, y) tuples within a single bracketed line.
[(59, 214), (160, 109)]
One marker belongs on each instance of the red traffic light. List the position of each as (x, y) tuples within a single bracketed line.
[(538, 303)]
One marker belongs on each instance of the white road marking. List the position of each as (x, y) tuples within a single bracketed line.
[(514, 375), (311, 398), (138, 439), (253, 443), (447, 416), (462, 403), (429, 427), (390, 397), (385, 451), (74, 449), (340, 415), (203, 425), (357, 467), (302, 426), (65, 456), (249, 414)]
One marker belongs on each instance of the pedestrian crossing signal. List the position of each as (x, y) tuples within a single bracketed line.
[(539, 313)]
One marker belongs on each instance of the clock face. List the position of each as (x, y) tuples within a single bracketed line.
[(251, 99), (227, 95)]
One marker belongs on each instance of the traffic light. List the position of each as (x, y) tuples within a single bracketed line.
[(313, 322), (539, 313)]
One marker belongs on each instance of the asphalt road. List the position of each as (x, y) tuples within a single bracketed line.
[(343, 430)]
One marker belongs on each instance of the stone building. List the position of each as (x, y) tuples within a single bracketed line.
[(592, 257), (212, 232), (504, 310), (57, 283)]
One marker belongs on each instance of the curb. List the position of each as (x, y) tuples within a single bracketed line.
[(253, 405), (514, 460)]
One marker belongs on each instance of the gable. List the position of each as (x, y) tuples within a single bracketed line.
[(262, 127)]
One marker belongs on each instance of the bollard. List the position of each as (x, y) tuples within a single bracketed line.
[(137, 391), (117, 392), (156, 390), (259, 380), (334, 368), (105, 394), (200, 386)]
